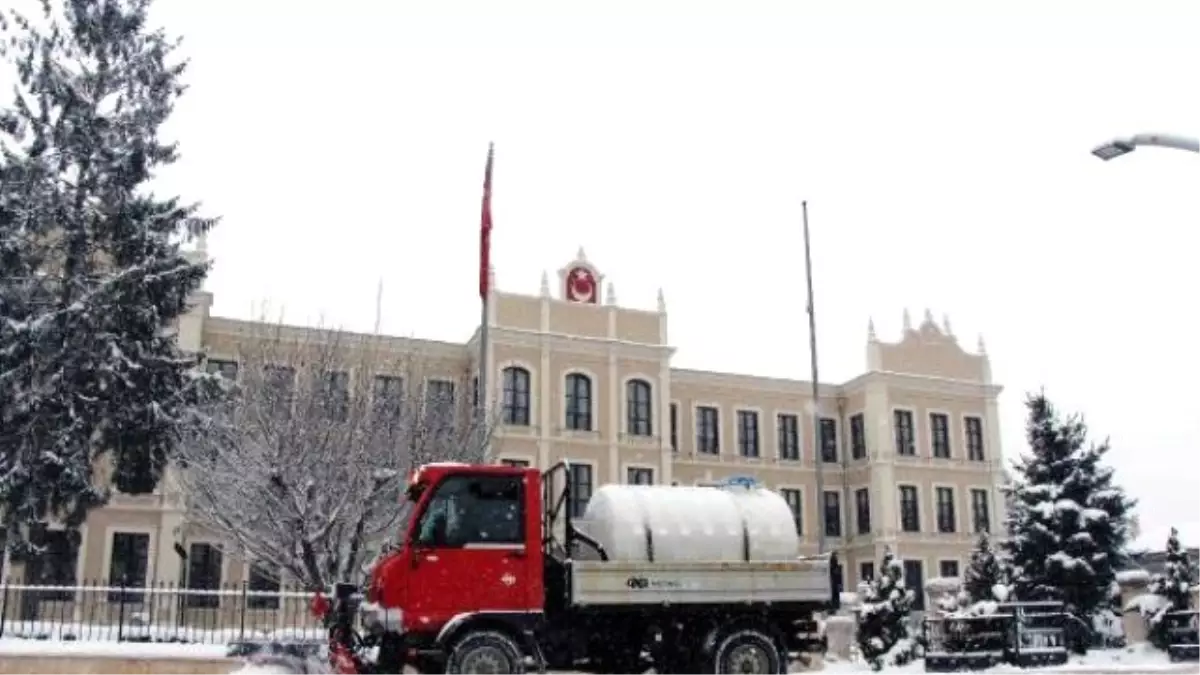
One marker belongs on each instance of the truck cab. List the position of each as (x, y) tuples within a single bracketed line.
[(468, 537)]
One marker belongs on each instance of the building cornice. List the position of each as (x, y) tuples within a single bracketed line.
[(241, 329), (578, 344)]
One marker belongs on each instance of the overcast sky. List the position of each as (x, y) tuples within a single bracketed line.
[(944, 154)]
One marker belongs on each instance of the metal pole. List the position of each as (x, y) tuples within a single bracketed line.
[(816, 394)]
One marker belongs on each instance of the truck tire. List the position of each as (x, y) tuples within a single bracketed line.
[(485, 651), (748, 650)]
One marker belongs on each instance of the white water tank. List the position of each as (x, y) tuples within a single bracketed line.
[(711, 524)]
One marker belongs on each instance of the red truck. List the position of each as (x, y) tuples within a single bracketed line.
[(492, 572)]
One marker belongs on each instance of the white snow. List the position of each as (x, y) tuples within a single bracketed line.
[(262, 669), (943, 584), (1138, 576), (100, 649), (1138, 660)]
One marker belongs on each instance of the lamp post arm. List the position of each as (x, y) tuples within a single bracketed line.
[(1167, 141)]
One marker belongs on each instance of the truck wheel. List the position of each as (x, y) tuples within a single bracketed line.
[(748, 650), (485, 652)]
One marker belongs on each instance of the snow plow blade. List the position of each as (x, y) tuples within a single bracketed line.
[(298, 657)]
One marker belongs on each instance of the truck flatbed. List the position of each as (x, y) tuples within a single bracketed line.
[(690, 583)]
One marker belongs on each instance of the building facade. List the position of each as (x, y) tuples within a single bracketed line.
[(908, 451)]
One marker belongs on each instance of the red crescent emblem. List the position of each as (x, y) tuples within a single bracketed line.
[(581, 286)]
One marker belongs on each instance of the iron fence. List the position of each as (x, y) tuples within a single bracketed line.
[(155, 612)]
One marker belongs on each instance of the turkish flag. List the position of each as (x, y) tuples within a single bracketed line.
[(485, 228)]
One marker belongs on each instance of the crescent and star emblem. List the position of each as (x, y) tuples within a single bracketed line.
[(583, 288), (508, 579)]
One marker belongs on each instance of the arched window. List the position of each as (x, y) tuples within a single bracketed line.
[(579, 402), (516, 396), (637, 395)]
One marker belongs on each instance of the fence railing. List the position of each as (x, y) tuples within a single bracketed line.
[(155, 612)]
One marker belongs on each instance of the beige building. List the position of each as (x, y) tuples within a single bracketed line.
[(909, 450)]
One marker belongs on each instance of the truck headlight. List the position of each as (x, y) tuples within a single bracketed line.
[(378, 619)]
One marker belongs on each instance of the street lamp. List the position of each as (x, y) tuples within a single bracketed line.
[(1123, 146)]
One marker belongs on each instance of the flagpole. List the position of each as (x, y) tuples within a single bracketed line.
[(485, 292), (816, 390)]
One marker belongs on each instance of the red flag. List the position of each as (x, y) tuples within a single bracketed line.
[(485, 229)]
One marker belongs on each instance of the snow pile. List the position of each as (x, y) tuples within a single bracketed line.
[(99, 649), (943, 584), (1137, 576)]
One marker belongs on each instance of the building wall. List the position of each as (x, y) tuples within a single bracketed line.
[(570, 330)]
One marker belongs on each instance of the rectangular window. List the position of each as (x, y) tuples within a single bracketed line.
[(581, 488), (636, 475), (866, 572), (55, 565), (948, 568), (439, 404), (829, 449), (789, 437), (905, 441), (263, 587), (335, 394), (227, 369), (945, 510), (910, 512), (914, 579), (279, 385), (203, 574), (127, 565), (579, 402), (795, 502), (387, 396), (675, 427), (747, 433), (981, 520), (708, 430), (862, 504), (939, 431), (974, 427), (516, 463), (858, 436), (833, 514)]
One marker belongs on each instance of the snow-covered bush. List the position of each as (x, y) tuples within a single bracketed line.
[(983, 572), (884, 636), (1166, 592)]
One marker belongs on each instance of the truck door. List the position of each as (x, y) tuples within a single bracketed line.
[(470, 551)]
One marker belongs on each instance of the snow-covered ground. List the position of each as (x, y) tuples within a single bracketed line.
[(1130, 661), (100, 648)]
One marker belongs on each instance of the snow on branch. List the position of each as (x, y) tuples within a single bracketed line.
[(303, 466)]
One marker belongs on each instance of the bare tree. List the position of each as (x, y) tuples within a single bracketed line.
[(304, 464)]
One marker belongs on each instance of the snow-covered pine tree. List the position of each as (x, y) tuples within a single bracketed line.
[(1068, 523), (93, 272), (883, 631), (983, 572), (1166, 592), (1176, 580)]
